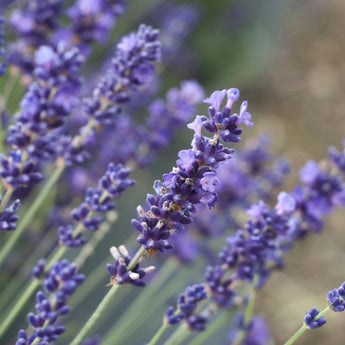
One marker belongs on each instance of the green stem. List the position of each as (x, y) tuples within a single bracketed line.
[(10, 316), (29, 290), (181, 333), (248, 315), (96, 314), (159, 333), (106, 300), (212, 328), (6, 198), (31, 212), (129, 321), (304, 327)]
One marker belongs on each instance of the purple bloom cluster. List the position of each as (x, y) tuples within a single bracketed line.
[(45, 106), (322, 191), (132, 67), (194, 180), (338, 158), (100, 200), (336, 298), (47, 102), (92, 341), (8, 217), (186, 307), (119, 270), (252, 253), (34, 23), (91, 20), (256, 331), (59, 283), (144, 140), (36, 19), (255, 173), (2, 50), (312, 320), (176, 22)]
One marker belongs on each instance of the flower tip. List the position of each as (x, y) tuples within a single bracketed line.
[(115, 253)]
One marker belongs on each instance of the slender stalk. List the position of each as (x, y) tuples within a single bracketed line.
[(212, 328), (248, 315), (95, 316), (29, 290), (159, 333), (180, 333), (106, 300), (31, 212), (130, 321), (304, 327), (90, 246), (20, 303)]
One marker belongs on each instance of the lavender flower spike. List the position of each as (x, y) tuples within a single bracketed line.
[(2, 50), (186, 307), (192, 182), (59, 284), (311, 319), (110, 186)]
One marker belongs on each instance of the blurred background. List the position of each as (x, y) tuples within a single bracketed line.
[(287, 59)]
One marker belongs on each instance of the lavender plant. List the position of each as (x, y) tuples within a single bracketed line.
[(79, 113)]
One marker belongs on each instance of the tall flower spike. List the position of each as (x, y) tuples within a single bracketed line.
[(187, 304), (99, 200), (91, 20), (2, 49), (192, 182), (132, 66), (59, 284)]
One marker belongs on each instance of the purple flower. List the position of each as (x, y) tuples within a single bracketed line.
[(59, 283), (196, 125), (216, 99), (120, 274), (209, 182), (99, 200), (311, 319), (309, 172), (191, 183), (186, 307), (2, 50), (286, 203), (186, 159)]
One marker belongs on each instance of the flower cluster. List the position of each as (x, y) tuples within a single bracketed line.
[(100, 200), (132, 66), (313, 320), (47, 102), (120, 272), (187, 304), (91, 20), (36, 19), (59, 283), (2, 50), (194, 180), (145, 140)]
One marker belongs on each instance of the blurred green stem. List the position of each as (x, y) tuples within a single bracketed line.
[(212, 328), (152, 294), (181, 332), (305, 327), (31, 212)]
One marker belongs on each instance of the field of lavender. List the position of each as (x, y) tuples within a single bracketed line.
[(144, 200)]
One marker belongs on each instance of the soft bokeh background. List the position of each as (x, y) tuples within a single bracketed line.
[(287, 58)]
